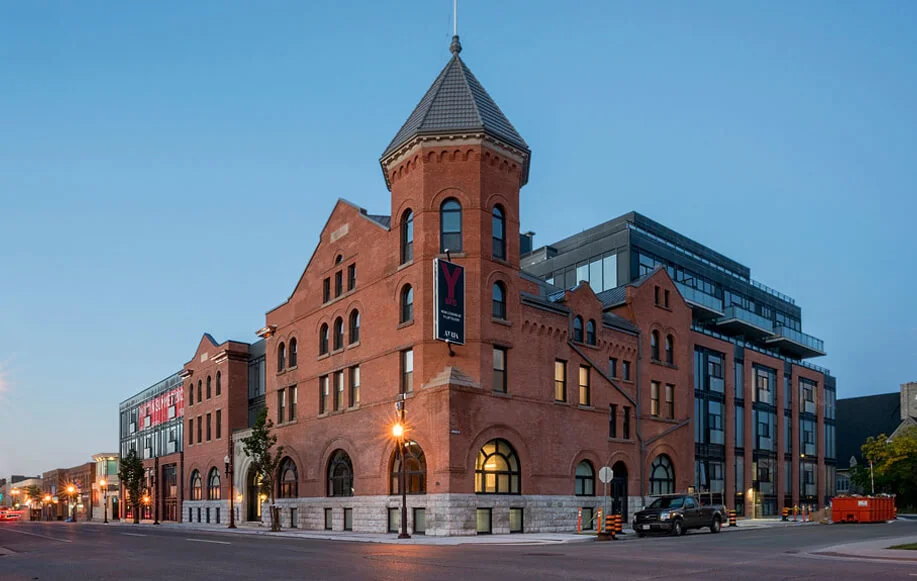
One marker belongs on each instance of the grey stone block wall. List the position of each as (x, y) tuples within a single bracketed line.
[(203, 505)]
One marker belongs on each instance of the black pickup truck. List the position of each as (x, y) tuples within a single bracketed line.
[(675, 514)]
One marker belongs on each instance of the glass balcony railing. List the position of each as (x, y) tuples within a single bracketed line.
[(692, 295), (737, 312), (799, 337)]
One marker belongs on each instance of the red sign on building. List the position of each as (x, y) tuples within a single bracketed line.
[(161, 408)]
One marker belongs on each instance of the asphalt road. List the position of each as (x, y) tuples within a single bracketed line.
[(60, 551)]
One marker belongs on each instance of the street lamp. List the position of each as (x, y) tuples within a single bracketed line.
[(15, 492), (151, 474), (71, 491), (103, 485), (229, 474), (398, 433), (47, 501)]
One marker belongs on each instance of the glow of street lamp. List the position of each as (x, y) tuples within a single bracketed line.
[(47, 498), (70, 489), (398, 430), (102, 483), (146, 499)]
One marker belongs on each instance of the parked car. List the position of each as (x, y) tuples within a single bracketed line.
[(677, 513)]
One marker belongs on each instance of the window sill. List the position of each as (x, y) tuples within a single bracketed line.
[(662, 363), (323, 356), (452, 254), (405, 324), (561, 402), (353, 345), (503, 322), (664, 308), (621, 440), (501, 394), (404, 265), (586, 407), (338, 351), (292, 367)]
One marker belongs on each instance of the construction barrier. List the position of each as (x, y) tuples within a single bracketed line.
[(619, 523), (863, 509), (732, 517), (611, 527)]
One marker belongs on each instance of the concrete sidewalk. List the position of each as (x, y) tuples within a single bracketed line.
[(872, 550)]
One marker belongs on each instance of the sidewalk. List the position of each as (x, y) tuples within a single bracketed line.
[(871, 550)]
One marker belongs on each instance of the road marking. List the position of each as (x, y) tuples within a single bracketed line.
[(39, 536), (133, 534), (209, 541)]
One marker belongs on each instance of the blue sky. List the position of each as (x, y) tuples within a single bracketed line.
[(165, 168)]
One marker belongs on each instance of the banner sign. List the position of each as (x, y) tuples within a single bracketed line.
[(161, 408), (448, 302)]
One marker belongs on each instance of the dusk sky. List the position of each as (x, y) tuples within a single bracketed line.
[(166, 168)]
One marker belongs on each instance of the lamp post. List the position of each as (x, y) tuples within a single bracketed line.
[(103, 486), (151, 474), (15, 493), (47, 502), (71, 490), (229, 474), (398, 432)]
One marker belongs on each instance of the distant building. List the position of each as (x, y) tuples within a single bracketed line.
[(107, 466)]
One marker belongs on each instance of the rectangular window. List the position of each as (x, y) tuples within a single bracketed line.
[(666, 298), (348, 519), (338, 391), (515, 520), (354, 386), (200, 429), (625, 370), (294, 397), (740, 475), (740, 381), (208, 514), (326, 290), (420, 521), (500, 369), (394, 519), (656, 296), (585, 393), (190, 431), (351, 277), (329, 521), (338, 283), (654, 399), (407, 371), (610, 271), (219, 424), (218, 515), (670, 401), (324, 393), (281, 406), (626, 428), (740, 427), (209, 432), (613, 421), (294, 521), (613, 367), (484, 521), (560, 380)]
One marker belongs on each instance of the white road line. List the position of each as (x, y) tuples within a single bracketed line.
[(133, 534), (209, 541), (39, 536)]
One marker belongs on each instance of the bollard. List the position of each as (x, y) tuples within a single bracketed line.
[(579, 520), (795, 512), (598, 522)]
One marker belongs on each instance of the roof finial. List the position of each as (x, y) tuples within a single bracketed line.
[(456, 46)]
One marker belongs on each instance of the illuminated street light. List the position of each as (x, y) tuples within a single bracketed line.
[(398, 433), (103, 485)]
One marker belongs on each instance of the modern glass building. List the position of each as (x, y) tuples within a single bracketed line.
[(764, 417), (151, 421)]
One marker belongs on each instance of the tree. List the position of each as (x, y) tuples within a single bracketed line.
[(894, 466), (258, 447), (131, 475), (32, 492)]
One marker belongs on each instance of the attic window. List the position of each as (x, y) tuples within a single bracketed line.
[(338, 258)]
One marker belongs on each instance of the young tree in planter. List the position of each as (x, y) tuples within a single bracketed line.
[(131, 475), (258, 447)]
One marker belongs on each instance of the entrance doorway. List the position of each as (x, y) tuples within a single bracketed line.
[(252, 496), (619, 490), (115, 511)]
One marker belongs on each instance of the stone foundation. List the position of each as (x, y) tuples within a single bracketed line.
[(196, 511)]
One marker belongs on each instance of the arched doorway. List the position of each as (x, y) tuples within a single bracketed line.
[(252, 497), (619, 490)]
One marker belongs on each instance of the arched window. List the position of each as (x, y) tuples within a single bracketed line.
[(281, 357), (354, 335), (209, 391), (340, 475), (200, 391), (662, 476), (338, 333), (338, 258), (219, 383), (499, 300), (407, 236), (654, 345), (197, 487), (213, 484), (497, 469), (585, 479), (578, 329), (590, 332), (289, 479), (407, 304), (498, 227), (669, 347), (323, 339), (415, 474), (450, 226), (292, 356)]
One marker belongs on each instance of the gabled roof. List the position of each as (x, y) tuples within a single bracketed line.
[(456, 101)]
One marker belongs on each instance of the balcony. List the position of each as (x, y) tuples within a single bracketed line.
[(796, 343), (705, 305), (739, 321)]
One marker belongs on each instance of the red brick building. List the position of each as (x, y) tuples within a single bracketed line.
[(506, 432)]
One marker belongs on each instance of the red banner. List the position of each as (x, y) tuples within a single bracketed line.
[(161, 409)]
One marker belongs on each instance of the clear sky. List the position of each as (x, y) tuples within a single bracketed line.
[(165, 168)]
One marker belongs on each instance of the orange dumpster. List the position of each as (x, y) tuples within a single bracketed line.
[(862, 509)]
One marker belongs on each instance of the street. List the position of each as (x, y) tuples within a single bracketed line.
[(60, 551)]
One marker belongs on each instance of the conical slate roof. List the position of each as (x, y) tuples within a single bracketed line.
[(456, 102)]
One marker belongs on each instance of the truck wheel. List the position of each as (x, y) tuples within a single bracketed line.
[(716, 525), (678, 528)]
